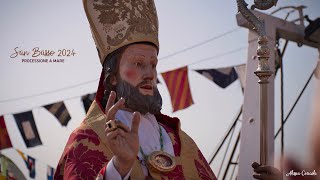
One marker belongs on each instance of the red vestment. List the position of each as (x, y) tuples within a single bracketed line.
[(86, 155)]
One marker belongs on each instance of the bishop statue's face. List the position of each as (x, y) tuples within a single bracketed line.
[(137, 79), (138, 67)]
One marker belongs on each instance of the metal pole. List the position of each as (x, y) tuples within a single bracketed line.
[(263, 72)]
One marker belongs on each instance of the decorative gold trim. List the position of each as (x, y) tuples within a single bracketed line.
[(94, 30)]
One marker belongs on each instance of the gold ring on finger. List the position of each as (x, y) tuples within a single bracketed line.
[(111, 125)]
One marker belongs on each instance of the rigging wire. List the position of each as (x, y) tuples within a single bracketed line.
[(280, 55), (219, 55), (49, 92), (226, 135), (231, 157), (295, 103), (226, 151), (234, 167), (199, 44)]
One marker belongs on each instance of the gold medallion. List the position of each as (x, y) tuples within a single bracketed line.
[(161, 161)]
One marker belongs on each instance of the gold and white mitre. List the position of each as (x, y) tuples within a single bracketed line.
[(116, 23)]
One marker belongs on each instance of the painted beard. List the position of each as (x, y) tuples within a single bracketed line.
[(136, 101)]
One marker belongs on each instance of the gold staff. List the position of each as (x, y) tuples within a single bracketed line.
[(263, 71)]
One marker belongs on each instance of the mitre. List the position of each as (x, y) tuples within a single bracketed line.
[(116, 23)]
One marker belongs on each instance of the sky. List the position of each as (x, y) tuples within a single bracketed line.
[(55, 25)]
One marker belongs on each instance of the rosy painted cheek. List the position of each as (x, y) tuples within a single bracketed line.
[(131, 74)]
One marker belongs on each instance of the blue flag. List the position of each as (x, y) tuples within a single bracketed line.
[(223, 77)]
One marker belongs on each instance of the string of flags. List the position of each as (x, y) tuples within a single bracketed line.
[(27, 126), (30, 163), (177, 82)]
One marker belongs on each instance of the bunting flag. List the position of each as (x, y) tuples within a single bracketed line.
[(178, 85), (30, 163), (87, 100), (28, 129), (4, 136), (60, 111), (50, 172), (223, 77), (32, 167), (241, 71)]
